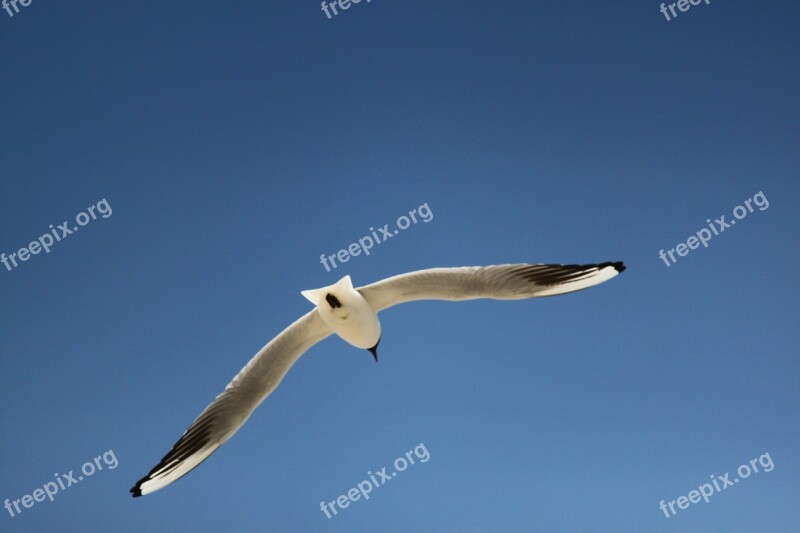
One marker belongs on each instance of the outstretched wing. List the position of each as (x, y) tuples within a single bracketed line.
[(225, 415), (500, 282)]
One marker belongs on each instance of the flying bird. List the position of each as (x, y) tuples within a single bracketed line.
[(352, 314)]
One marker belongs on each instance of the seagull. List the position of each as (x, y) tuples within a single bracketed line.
[(352, 314)]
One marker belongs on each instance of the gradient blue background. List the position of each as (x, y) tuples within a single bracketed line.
[(236, 142)]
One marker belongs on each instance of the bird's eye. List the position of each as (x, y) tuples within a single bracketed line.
[(332, 301)]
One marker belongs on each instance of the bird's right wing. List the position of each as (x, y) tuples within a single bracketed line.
[(225, 415), (501, 282)]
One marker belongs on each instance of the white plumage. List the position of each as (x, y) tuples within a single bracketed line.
[(352, 314)]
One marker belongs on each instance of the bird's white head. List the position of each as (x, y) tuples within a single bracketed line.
[(347, 313), (336, 299)]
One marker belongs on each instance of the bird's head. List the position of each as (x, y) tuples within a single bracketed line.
[(347, 313), (337, 300)]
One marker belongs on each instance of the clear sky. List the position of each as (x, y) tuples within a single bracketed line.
[(234, 143)]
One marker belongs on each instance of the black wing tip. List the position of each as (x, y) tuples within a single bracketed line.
[(180, 451), (619, 266), (136, 491)]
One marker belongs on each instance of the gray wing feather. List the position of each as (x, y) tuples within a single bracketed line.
[(501, 282), (231, 409)]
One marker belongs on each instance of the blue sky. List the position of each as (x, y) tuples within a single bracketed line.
[(235, 143)]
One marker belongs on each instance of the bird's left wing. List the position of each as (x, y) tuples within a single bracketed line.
[(500, 282), (226, 414)]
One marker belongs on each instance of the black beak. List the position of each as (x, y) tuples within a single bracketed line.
[(374, 350)]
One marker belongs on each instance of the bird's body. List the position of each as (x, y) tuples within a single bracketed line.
[(345, 311), (352, 314)]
